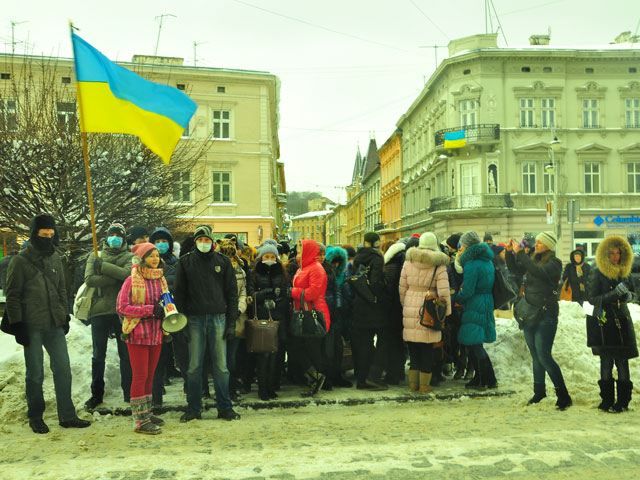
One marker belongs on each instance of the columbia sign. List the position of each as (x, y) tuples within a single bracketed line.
[(616, 220)]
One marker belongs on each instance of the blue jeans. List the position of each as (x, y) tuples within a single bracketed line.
[(207, 330), (102, 327), (539, 339), (55, 343)]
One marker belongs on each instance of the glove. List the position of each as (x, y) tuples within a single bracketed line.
[(628, 297), (269, 304), (277, 291), (230, 333), (158, 311), (97, 266), (21, 334), (621, 290)]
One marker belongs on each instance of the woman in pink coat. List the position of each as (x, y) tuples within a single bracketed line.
[(424, 270)]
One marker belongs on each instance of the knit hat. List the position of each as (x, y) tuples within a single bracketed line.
[(487, 237), (284, 248), (141, 250), (351, 252), (137, 232), (44, 220), (428, 241), (117, 229), (372, 238), (267, 248), (228, 248), (203, 231), (413, 242), (453, 241), (469, 238), (548, 239), (415, 235)]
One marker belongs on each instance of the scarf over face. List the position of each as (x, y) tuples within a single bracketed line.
[(138, 291)]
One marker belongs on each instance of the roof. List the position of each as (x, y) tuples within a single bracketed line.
[(357, 167), (318, 213), (372, 160)]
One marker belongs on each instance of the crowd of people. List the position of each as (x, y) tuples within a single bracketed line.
[(417, 299)]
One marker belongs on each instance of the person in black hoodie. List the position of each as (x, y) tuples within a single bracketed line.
[(370, 314), (270, 284), (206, 291), (396, 351), (610, 290), (38, 318), (541, 275), (576, 274)]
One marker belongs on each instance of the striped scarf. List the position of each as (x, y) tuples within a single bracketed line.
[(138, 291)]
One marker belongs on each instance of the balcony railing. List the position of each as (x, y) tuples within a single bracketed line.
[(485, 132), (470, 202), (379, 226)]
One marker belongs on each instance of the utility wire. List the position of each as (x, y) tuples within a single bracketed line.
[(532, 7), (431, 21), (321, 27)]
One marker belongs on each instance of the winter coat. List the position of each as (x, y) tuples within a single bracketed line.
[(169, 260), (312, 280), (366, 314), (4, 266), (206, 285), (541, 277), (265, 281), (423, 271), (478, 325), (35, 290), (577, 282), (331, 294), (393, 262), (116, 267), (619, 338), (149, 329)]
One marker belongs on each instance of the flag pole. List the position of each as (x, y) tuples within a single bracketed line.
[(85, 154)]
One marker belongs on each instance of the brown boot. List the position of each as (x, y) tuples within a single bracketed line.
[(425, 380), (413, 380)]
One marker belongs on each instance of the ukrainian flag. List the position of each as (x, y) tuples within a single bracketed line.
[(113, 99), (455, 139)]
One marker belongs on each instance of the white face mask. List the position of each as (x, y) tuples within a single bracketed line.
[(269, 262), (203, 247)]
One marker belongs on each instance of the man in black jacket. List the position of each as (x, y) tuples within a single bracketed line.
[(207, 292), (37, 310)]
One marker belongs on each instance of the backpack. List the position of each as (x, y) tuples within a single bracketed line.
[(82, 302), (503, 291)]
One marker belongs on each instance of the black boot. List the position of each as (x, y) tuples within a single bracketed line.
[(488, 375), (539, 392), (564, 400), (607, 394), (625, 388), (476, 381)]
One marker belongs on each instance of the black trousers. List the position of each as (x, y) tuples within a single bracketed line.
[(420, 356), (364, 350), (307, 353)]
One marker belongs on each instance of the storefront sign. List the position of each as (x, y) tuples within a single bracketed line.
[(616, 220)]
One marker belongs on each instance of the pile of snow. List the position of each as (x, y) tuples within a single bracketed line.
[(509, 354)]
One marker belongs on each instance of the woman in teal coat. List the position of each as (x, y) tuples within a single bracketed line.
[(478, 324)]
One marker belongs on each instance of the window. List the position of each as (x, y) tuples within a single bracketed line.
[(548, 112), (66, 80), (529, 177), (8, 116), (632, 112), (590, 113), (5, 76), (221, 187), (221, 89), (588, 70), (180, 86), (549, 180), (633, 177), (187, 131), (547, 69), (221, 123), (633, 70), (466, 71), (526, 113), (591, 178), (181, 187), (468, 112), (66, 115), (525, 69)]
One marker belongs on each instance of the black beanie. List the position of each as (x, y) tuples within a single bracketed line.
[(372, 238), (454, 240), (43, 220), (136, 233)]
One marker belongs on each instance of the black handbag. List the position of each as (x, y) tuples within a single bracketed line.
[(307, 323), (433, 310), (261, 334), (359, 283), (526, 314)]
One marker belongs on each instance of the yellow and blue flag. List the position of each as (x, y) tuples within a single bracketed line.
[(113, 99), (455, 139)]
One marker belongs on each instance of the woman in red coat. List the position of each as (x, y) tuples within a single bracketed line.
[(310, 280)]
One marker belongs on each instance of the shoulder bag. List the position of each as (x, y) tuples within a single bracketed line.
[(261, 334), (307, 323), (434, 309)]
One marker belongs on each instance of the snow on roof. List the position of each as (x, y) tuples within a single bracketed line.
[(547, 48), (317, 213)]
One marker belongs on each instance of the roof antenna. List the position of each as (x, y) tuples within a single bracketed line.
[(161, 17)]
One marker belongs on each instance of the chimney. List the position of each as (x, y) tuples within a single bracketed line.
[(539, 39)]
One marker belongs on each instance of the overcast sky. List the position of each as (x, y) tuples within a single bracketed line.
[(347, 67)]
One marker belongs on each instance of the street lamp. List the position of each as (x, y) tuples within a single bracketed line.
[(552, 169)]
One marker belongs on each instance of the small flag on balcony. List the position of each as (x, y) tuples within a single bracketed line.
[(455, 139)]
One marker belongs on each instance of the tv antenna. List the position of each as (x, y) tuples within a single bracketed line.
[(13, 35), (161, 17)]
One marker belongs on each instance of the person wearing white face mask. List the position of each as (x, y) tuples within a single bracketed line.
[(206, 291), (106, 274)]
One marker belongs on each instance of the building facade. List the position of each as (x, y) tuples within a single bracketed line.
[(354, 231), (540, 123), (390, 186), (310, 225)]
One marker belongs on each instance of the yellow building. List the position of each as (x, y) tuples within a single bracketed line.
[(238, 186), (336, 226), (310, 225), (355, 204), (390, 186)]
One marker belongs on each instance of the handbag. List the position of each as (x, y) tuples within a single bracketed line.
[(565, 291), (307, 323), (526, 314), (433, 310), (503, 292), (261, 334), (359, 283)]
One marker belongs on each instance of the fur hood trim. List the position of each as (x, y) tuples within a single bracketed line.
[(477, 251), (623, 270), (429, 258), (393, 251)]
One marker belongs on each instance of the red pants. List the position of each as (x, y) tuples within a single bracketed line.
[(144, 359)]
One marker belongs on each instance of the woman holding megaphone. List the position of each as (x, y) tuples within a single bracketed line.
[(141, 312)]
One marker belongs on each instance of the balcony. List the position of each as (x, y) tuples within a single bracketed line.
[(485, 133), (379, 226), (471, 202)]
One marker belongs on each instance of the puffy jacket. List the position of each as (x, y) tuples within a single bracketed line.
[(478, 325), (366, 314), (312, 279), (393, 262), (116, 267), (618, 334), (423, 271), (271, 283), (541, 280), (35, 290), (149, 329), (578, 283)]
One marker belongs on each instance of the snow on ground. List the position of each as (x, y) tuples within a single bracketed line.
[(489, 437)]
